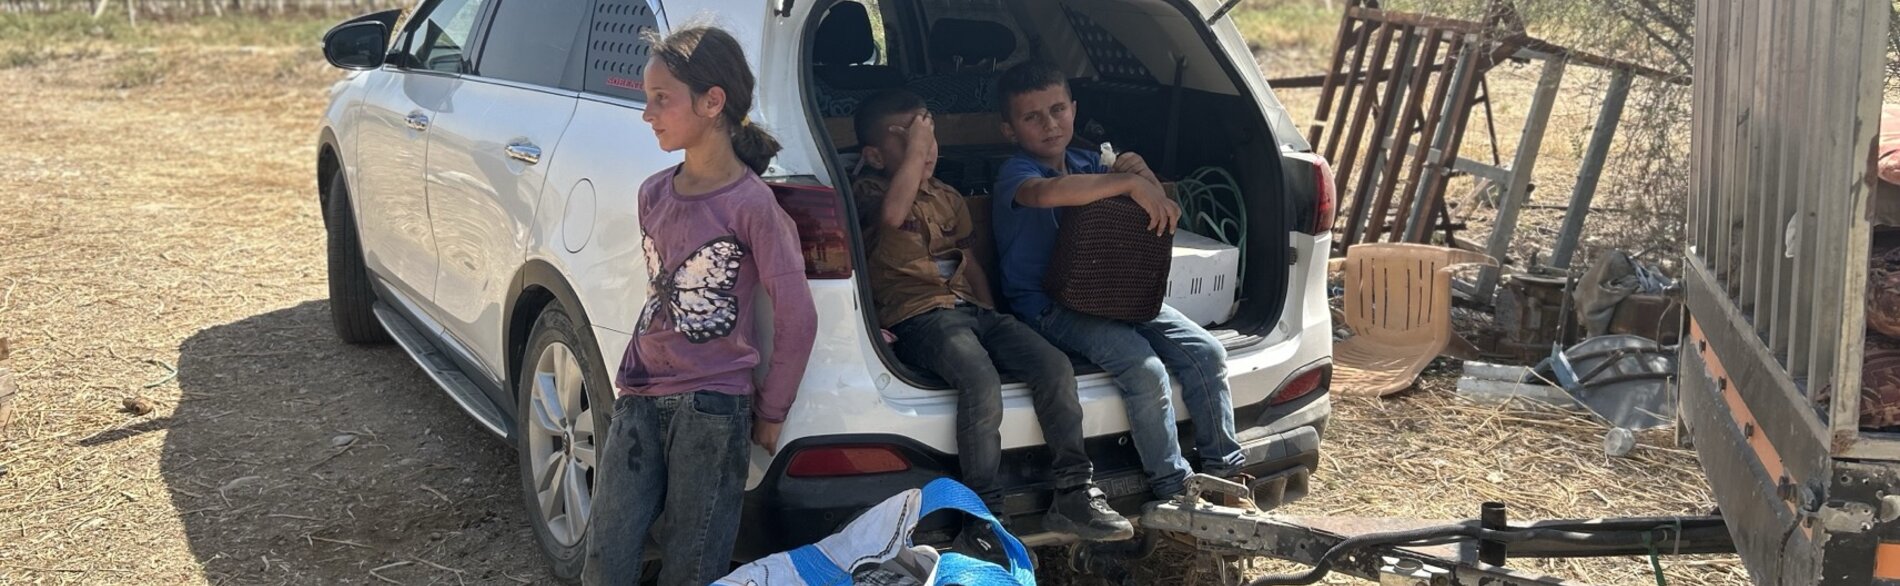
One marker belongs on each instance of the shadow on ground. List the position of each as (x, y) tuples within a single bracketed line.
[(294, 458)]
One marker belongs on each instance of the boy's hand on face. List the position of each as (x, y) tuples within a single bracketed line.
[(1163, 213), (920, 139), (1133, 163)]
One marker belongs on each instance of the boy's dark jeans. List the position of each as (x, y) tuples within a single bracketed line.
[(968, 346), (676, 463)]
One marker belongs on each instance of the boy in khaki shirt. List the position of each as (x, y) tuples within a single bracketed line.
[(932, 295)]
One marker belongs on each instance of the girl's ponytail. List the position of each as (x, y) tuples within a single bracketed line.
[(754, 146), (706, 57)]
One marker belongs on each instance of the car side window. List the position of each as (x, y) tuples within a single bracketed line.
[(439, 40), (531, 41), (617, 51)]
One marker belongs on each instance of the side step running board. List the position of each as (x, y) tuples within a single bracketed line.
[(442, 370)]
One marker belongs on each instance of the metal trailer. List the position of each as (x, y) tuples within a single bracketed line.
[(1784, 123), (1787, 105)]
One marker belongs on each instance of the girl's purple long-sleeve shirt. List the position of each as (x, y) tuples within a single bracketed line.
[(707, 256)]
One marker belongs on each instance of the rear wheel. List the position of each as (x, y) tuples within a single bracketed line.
[(562, 413), (351, 297)]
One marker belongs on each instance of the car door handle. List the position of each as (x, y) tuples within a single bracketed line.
[(524, 152), (417, 121)]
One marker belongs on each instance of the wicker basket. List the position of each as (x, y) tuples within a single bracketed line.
[(1107, 264)]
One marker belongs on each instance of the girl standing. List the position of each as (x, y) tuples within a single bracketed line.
[(676, 455)]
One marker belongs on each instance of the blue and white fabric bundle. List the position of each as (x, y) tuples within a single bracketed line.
[(876, 549)]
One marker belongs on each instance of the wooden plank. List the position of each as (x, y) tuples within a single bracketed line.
[(1835, 172), (1516, 192), (1792, 319), (1360, 41), (1775, 293), (1393, 107), (1319, 81), (1413, 79), (1819, 369), (1461, 52), (1329, 84), (1343, 173), (1699, 136), (1767, 226), (1344, 44), (1438, 173), (1724, 223), (1416, 20), (1710, 141), (1595, 60), (1802, 310), (1868, 63), (1609, 114), (1748, 183)]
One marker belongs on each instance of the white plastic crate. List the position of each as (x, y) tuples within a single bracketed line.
[(1203, 278)]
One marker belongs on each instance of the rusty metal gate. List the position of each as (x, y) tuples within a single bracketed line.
[(1394, 104)]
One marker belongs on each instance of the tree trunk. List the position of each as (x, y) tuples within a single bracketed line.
[(99, 9)]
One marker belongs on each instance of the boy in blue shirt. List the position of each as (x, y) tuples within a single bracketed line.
[(930, 292), (1039, 115)]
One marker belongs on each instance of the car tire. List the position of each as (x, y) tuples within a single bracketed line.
[(559, 428), (351, 298)]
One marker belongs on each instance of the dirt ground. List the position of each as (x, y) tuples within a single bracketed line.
[(160, 240)]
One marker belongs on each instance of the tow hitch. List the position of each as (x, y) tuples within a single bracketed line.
[(1406, 552)]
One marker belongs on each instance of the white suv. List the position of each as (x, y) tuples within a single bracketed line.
[(477, 172)]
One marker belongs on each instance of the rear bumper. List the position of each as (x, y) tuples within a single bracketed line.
[(1281, 446)]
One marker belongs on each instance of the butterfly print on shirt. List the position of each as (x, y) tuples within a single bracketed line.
[(697, 295)]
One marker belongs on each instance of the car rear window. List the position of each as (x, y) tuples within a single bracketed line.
[(616, 54)]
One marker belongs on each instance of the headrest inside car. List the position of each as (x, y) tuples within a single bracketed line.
[(973, 40), (844, 37)]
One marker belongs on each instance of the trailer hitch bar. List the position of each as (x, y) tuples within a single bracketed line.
[(1413, 552)]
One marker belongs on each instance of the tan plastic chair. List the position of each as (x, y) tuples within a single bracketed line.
[(1398, 306)]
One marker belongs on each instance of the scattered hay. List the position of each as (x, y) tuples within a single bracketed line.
[(137, 72)]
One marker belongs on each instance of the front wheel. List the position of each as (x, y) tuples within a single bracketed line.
[(350, 294), (563, 406)]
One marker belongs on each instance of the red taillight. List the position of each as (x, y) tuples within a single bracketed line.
[(845, 461), (1328, 196), (1325, 196), (1302, 385), (822, 231)]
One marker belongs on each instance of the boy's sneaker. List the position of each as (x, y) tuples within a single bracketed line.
[(1084, 512), (978, 540)]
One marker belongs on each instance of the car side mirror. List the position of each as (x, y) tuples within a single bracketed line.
[(357, 46)]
